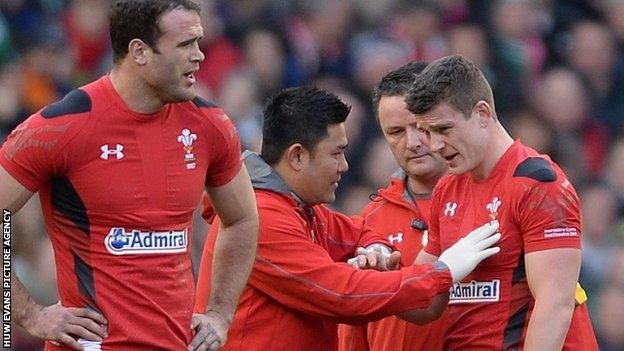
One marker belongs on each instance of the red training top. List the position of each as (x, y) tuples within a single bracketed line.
[(300, 286)]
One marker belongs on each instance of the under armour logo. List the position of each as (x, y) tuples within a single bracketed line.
[(450, 208), (398, 238), (106, 152)]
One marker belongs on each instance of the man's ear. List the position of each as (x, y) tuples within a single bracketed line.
[(297, 156), (139, 51), (483, 111)]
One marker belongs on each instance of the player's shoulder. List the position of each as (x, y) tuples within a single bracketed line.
[(209, 115), (62, 118), (533, 171), (79, 102), (200, 102), (207, 111), (76, 103), (534, 168)]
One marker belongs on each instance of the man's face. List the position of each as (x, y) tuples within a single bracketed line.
[(461, 142), (170, 72), (407, 143), (323, 169)]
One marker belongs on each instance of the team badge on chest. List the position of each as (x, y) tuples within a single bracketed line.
[(187, 138), (493, 207)]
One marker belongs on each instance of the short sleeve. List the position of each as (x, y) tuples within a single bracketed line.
[(30, 153), (226, 159), (549, 216)]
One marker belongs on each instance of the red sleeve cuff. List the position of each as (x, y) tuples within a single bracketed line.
[(572, 243), (225, 178)]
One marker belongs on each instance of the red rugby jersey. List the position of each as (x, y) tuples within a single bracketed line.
[(538, 209), (394, 214), (118, 190)]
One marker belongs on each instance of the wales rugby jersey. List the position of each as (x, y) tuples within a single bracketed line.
[(118, 190), (538, 209)]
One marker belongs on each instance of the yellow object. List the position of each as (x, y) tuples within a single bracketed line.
[(579, 295)]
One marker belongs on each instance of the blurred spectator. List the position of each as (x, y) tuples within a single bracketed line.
[(6, 47), (373, 56), (518, 47), (86, 25), (610, 318), (527, 126), (240, 99), (317, 38), (264, 55), (222, 56), (417, 24), (599, 210), (603, 72), (578, 142), (614, 173), (380, 164), (38, 88), (11, 108)]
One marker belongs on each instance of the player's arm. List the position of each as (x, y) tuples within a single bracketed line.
[(437, 307), (301, 275), (548, 215), (553, 290), (373, 250), (234, 254), (13, 195), (54, 323)]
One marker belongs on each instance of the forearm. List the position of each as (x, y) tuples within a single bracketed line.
[(338, 291), (429, 314), (234, 254), (549, 325), (23, 306)]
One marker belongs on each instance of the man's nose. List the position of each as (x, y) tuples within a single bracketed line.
[(435, 142), (415, 139), (343, 165), (197, 55)]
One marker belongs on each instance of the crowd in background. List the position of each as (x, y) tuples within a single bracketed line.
[(556, 67)]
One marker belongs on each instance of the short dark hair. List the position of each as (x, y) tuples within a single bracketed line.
[(452, 79), (397, 82), (131, 19), (299, 115)]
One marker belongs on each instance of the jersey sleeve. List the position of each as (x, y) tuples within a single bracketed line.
[(346, 234), (33, 152), (301, 275), (226, 156), (549, 215), (432, 246)]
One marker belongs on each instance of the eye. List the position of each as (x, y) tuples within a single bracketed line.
[(444, 130)]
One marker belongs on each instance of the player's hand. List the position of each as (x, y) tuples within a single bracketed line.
[(465, 255), (210, 331), (375, 258), (61, 325)]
